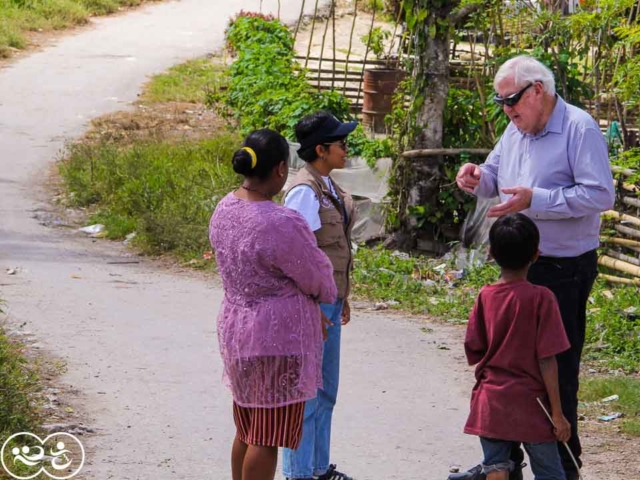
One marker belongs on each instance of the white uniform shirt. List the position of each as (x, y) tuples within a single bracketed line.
[(303, 200)]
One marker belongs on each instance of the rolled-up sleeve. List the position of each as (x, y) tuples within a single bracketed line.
[(592, 191), (488, 186)]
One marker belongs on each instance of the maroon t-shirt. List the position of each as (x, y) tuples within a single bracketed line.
[(512, 326)]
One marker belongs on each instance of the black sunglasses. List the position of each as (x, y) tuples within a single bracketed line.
[(340, 143), (512, 99)]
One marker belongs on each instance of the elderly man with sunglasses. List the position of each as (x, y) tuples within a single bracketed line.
[(551, 164)]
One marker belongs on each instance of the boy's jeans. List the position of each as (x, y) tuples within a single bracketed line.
[(312, 456), (545, 459)]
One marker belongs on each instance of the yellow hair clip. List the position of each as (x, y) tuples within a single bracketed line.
[(254, 157)]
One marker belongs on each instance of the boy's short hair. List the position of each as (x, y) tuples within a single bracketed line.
[(514, 241)]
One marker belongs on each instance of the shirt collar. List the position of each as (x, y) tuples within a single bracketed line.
[(556, 120)]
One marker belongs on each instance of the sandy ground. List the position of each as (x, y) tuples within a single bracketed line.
[(138, 336)]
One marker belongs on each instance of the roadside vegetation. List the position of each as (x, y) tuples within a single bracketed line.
[(164, 190), (20, 388), (18, 17)]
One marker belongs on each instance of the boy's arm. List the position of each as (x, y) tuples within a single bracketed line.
[(549, 370), (475, 343)]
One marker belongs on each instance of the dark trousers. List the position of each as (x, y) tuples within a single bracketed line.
[(571, 280)]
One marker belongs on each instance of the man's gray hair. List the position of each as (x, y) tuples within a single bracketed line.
[(525, 70)]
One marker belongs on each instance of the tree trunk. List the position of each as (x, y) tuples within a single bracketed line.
[(423, 176)]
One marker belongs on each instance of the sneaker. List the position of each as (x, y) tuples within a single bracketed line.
[(333, 474), (474, 473)]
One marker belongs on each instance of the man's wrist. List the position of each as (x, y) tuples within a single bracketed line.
[(539, 200)]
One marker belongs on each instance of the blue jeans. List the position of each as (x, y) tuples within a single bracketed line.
[(312, 456), (545, 459)]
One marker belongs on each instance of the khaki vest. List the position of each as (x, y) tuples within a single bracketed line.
[(334, 236)]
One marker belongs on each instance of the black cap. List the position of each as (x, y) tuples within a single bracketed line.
[(331, 129)]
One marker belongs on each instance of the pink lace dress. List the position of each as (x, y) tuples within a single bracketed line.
[(269, 326)]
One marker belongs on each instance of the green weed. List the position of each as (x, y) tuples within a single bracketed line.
[(163, 192), (417, 284), (627, 388), (19, 387), (187, 82), (613, 326)]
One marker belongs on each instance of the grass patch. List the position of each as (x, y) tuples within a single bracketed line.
[(19, 388), (593, 390), (417, 284), (20, 16), (613, 327), (165, 192), (187, 82)]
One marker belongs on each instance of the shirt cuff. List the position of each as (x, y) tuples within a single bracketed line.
[(539, 201)]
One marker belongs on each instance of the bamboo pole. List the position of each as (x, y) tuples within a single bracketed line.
[(625, 242), (324, 38), (626, 186), (619, 265), (629, 232), (627, 172), (633, 202), (366, 51), (353, 28), (623, 257), (431, 152), (622, 217), (395, 32), (313, 27), (621, 280), (295, 34), (333, 32)]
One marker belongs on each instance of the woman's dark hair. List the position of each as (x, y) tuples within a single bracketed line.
[(270, 149), (308, 127), (514, 241)]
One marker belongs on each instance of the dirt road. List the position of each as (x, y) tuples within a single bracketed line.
[(139, 341)]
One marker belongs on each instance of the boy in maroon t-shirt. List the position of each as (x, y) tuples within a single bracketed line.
[(514, 333)]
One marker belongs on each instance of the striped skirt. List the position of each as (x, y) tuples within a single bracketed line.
[(270, 427)]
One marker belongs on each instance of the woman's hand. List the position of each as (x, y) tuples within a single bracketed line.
[(326, 324), (346, 312)]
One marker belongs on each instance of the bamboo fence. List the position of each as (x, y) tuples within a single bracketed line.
[(622, 252)]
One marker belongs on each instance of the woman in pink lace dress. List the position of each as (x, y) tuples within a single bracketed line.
[(269, 327)]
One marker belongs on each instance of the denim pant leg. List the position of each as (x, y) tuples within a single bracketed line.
[(545, 461), (496, 455), (312, 456)]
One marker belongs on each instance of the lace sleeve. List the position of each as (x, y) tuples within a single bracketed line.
[(298, 257)]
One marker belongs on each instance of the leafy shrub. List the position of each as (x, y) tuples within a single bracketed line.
[(267, 88)]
